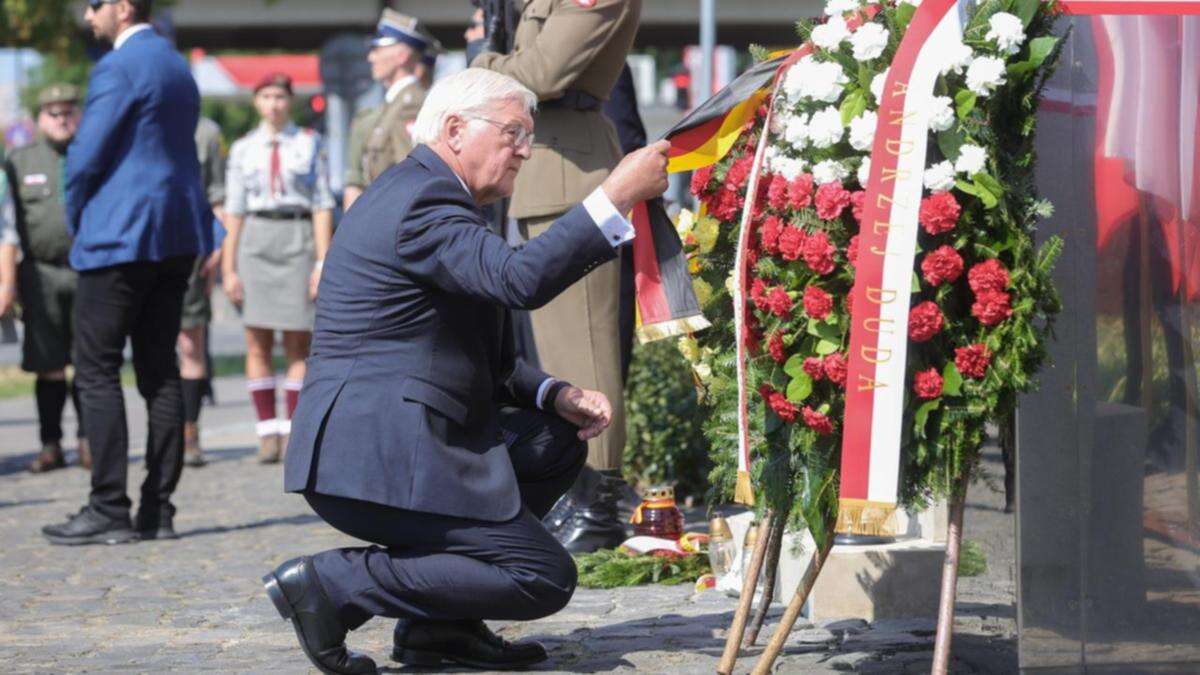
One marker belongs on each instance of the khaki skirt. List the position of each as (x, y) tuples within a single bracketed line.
[(275, 260)]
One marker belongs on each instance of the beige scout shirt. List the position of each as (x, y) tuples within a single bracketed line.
[(562, 46)]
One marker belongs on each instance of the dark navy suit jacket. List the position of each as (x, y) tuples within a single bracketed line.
[(132, 184), (412, 353)]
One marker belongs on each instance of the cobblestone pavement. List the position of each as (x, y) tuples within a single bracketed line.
[(196, 604)]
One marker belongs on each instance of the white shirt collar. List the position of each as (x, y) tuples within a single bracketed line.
[(264, 130), (128, 33), (398, 86)]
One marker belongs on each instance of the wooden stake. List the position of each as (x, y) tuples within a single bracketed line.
[(945, 625), (749, 582), (774, 548), (797, 603)]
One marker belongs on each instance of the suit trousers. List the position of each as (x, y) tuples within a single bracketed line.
[(141, 301), (434, 567), (578, 339)]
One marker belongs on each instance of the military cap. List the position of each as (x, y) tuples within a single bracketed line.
[(396, 28), (281, 80), (59, 92)]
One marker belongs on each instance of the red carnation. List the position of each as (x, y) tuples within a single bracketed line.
[(751, 340), (942, 265), (857, 199), (818, 253), (726, 204), (758, 294), (924, 321), (775, 347), (739, 172), (835, 368), (817, 303), (831, 200), (791, 242), (973, 360), (779, 403), (769, 232), (991, 307), (700, 180), (989, 275), (852, 251), (815, 367), (800, 191), (779, 302), (928, 384), (817, 421), (752, 257), (777, 192), (939, 213)]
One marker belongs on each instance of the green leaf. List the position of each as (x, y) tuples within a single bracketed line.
[(799, 388), (964, 103), (826, 347), (969, 188), (950, 141), (952, 380), (904, 14), (985, 194), (916, 283), (991, 186), (795, 366), (1025, 10), (853, 105), (922, 415), (1039, 50)]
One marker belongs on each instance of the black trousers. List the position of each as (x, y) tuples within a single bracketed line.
[(141, 301), (427, 566)]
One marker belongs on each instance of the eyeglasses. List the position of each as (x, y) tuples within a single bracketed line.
[(517, 135)]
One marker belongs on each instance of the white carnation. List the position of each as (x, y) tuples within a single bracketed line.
[(869, 41), (862, 130), (1007, 32), (825, 128), (779, 119), (970, 160), (985, 74), (840, 7), (771, 156), (877, 84), (831, 34), (958, 57), (828, 171), (940, 177), (811, 79), (941, 113), (788, 167), (864, 171), (796, 131)]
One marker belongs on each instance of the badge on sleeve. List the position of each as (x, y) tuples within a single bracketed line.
[(36, 179), (586, 4)]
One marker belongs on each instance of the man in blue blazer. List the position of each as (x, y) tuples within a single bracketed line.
[(418, 429), (139, 218)]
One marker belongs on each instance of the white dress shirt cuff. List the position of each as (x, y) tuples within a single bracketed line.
[(541, 392), (616, 229)]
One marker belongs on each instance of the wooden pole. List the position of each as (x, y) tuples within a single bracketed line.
[(775, 646), (945, 624), (774, 548), (749, 582)]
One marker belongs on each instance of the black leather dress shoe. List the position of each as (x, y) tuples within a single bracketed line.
[(298, 596), (467, 643), (155, 523), (587, 518), (90, 527)]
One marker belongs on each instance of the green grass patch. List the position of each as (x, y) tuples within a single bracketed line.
[(613, 569), (971, 560)]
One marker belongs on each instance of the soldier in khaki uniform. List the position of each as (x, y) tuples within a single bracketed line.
[(570, 53), (45, 280), (402, 57), (197, 309)]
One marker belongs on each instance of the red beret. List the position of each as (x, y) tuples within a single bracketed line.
[(281, 80)]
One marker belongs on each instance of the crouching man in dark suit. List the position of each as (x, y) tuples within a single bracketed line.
[(417, 428)]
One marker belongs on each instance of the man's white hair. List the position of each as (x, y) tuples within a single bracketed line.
[(474, 90)]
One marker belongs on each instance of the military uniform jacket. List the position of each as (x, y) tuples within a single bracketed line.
[(389, 140), (363, 124), (212, 160), (565, 46), (35, 173)]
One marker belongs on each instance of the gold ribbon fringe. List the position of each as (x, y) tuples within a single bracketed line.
[(868, 518)]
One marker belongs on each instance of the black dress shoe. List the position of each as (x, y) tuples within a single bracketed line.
[(90, 527), (154, 522), (298, 596), (587, 518), (468, 642)]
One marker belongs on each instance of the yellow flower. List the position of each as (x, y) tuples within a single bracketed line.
[(694, 265), (729, 284), (704, 372), (689, 348), (705, 231), (684, 223), (703, 291)]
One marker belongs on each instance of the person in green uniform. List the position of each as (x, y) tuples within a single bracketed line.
[(571, 53), (362, 124), (197, 310), (45, 280), (403, 54)]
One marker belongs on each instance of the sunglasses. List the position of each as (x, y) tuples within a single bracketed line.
[(97, 4)]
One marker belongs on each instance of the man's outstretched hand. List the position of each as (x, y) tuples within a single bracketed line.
[(589, 410)]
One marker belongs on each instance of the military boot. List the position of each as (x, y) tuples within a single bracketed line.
[(49, 459)]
